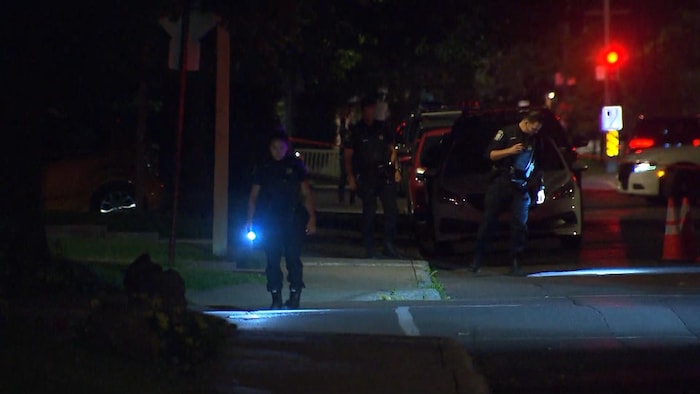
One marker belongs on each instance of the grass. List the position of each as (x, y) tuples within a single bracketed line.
[(436, 284), (109, 257), (196, 278), (188, 226), (125, 249)]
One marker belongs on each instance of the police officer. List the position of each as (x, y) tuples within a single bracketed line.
[(512, 152), (371, 148), (286, 214)]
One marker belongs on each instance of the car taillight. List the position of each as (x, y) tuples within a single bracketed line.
[(696, 142), (641, 143)]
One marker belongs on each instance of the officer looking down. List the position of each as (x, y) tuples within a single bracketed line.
[(371, 147), (514, 178), (286, 214)]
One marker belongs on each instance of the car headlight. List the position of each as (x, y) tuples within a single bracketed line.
[(420, 174), (644, 166)]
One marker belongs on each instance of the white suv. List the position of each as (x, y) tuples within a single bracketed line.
[(655, 144)]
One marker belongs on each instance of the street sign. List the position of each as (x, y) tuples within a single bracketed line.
[(199, 24), (611, 118)]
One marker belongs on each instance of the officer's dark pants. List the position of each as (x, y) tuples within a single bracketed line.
[(343, 180), (369, 191), (284, 236), (501, 193)]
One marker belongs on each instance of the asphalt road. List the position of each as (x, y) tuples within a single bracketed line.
[(619, 230), (567, 327)]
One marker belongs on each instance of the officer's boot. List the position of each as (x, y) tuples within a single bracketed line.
[(390, 250), (276, 299), (294, 299), (475, 266)]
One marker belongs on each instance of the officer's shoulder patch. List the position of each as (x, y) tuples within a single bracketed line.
[(498, 135)]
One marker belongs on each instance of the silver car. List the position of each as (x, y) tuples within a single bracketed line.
[(460, 177)]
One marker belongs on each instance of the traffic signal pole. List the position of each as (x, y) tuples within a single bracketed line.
[(606, 39)]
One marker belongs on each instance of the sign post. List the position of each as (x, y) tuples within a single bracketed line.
[(185, 34)]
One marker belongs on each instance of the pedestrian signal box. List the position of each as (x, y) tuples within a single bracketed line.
[(612, 143)]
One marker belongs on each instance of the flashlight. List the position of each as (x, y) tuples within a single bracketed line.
[(251, 235)]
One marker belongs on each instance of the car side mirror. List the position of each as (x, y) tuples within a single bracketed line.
[(580, 141), (431, 157)]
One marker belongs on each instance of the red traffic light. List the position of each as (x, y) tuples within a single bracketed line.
[(612, 55)]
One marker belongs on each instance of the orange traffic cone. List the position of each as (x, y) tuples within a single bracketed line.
[(687, 230), (673, 244)]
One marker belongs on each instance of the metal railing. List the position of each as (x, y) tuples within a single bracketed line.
[(323, 163)]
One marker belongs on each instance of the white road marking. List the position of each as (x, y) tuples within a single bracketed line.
[(406, 321)]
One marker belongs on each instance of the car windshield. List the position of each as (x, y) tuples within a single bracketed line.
[(668, 130), (467, 156)]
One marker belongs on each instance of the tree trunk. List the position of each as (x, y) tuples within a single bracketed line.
[(141, 130)]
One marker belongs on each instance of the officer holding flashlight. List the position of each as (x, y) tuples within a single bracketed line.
[(281, 202)]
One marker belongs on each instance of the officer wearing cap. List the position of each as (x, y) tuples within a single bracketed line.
[(281, 191), (512, 152), (371, 147)]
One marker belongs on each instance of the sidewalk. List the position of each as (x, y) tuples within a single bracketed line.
[(329, 282)]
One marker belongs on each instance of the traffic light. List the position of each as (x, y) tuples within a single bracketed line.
[(612, 56)]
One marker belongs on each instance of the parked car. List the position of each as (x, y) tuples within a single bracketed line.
[(456, 192), (87, 172), (416, 173), (652, 146), (409, 131)]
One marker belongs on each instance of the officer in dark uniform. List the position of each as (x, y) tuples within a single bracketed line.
[(282, 192), (512, 152), (371, 147)]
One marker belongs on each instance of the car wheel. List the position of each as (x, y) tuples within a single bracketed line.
[(572, 242), (115, 198)]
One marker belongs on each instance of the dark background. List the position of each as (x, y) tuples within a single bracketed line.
[(296, 62)]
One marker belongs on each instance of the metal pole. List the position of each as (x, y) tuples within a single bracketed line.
[(606, 41), (184, 34)]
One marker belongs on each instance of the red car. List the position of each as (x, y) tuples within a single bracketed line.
[(417, 195)]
